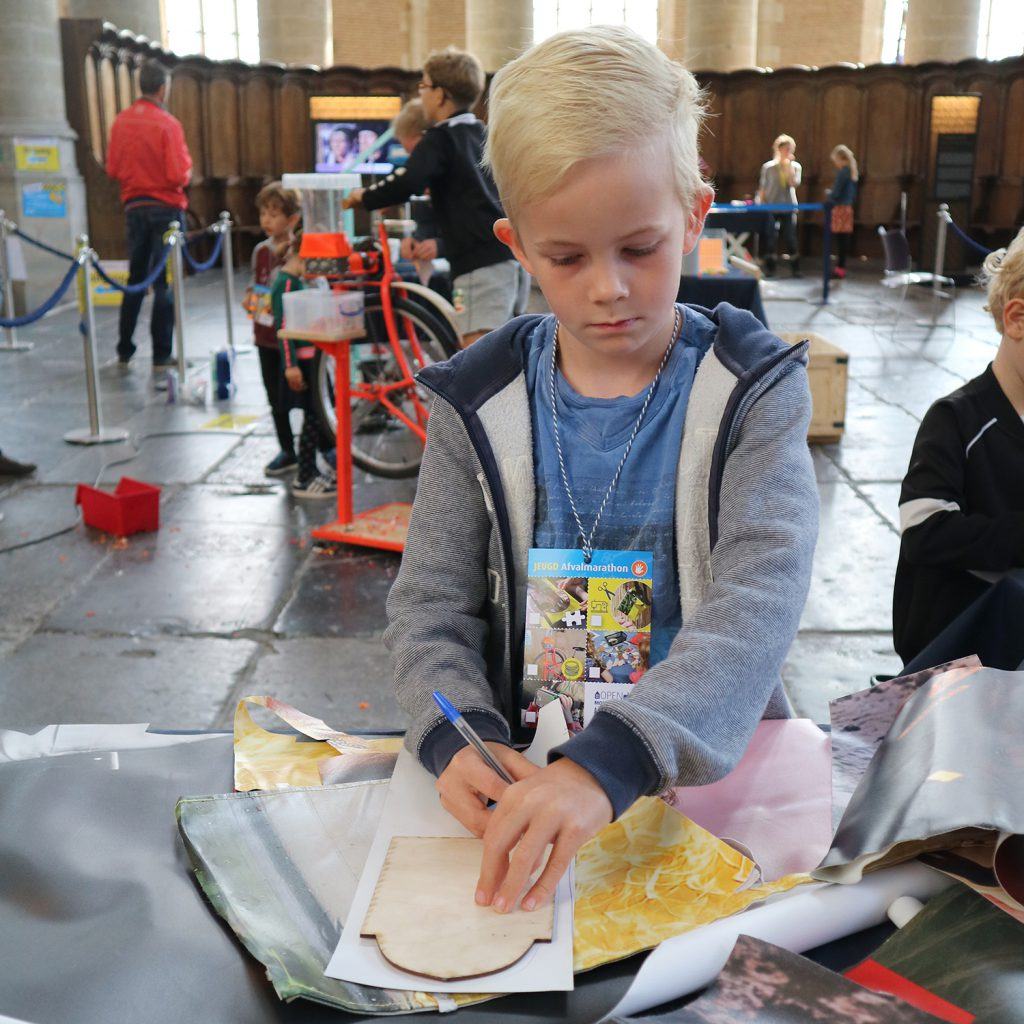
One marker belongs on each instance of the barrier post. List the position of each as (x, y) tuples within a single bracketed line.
[(10, 342), (227, 261), (939, 267), (95, 432), (177, 240)]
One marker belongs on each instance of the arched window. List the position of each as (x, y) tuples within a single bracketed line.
[(219, 29), (551, 16)]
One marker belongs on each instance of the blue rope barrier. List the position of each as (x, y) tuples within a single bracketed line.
[(765, 207), (198, 268), (31, 318), (967, 239), (142, 286), (42, 245)]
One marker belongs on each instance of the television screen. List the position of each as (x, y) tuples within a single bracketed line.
[(338, 143)]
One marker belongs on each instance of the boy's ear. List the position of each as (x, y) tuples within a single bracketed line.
[(696, 217), (1013, 319), (293, 221), (506, 234)]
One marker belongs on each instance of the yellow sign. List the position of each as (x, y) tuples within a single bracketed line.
[(36, 155), (344, 108), (230, 421)]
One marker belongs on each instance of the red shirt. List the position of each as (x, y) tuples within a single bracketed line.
[(148, 155)]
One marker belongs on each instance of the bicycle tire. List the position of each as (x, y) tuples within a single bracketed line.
[(382, 444)]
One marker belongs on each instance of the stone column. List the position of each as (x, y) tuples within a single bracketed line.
[(941, 30), (40, 187), (143, 17), (498, 32), (672, 28), (721, 35), (296, 32), (819, 34)]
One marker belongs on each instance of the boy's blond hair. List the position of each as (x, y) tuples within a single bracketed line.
[(785, 140), (1003, 275), (410, 120), (459, 73), (583, 94)]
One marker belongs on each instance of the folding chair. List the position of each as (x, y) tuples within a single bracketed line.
[(899, 273)]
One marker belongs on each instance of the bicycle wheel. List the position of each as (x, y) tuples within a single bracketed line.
[(381, 443)]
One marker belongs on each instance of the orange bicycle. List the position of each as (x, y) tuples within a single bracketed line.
[(408, 326)]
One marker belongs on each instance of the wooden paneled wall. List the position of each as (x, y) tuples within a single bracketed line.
[(246, 124)]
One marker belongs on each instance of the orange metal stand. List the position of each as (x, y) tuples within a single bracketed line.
[(384, 527)]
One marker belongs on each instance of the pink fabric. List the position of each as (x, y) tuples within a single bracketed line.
[(776, 803)]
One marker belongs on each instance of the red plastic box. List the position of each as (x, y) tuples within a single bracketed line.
[(133, 507)]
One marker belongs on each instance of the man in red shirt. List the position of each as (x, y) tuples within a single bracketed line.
[(150, 160)]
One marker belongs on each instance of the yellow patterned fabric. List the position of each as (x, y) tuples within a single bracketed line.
[(654, 874)]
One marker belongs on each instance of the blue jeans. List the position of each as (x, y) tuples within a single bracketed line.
[(146, 228)]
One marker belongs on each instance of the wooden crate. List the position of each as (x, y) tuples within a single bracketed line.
[(826, 370)]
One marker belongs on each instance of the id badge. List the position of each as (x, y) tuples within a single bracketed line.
[(588, 630)]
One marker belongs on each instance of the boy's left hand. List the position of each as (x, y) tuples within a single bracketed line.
[(353, 199), (562, 804)]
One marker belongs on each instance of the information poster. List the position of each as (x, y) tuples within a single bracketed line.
[(588, 630), (36, 155), (44, 199)]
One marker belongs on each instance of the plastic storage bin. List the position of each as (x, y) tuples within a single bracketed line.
[(322, 315), (132, 507)]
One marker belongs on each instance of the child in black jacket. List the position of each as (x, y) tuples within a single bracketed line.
[(962, 502)]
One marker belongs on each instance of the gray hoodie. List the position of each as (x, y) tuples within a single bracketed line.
[(745, 528)]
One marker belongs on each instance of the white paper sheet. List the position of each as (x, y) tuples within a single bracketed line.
[(414, 809), (54, 740), (801, 920)]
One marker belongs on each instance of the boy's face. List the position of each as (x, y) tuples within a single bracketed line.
[(274, 222), (785, 151), (607, 249)]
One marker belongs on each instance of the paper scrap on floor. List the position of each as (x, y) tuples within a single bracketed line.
[(413, 808)]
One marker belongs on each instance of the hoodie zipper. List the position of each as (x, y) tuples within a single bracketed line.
[(511, 661), (744, 403)]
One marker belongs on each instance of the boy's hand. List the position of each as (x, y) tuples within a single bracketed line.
[(293, 375), (426, 250), (467, 783), (407, 248), (562, 804), (353, 199)]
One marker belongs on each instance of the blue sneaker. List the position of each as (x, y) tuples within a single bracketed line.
[(281, 464)]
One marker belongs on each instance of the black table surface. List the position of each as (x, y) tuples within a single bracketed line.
[(101, 919), (739, 290)]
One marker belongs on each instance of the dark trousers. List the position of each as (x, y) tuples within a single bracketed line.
[(279, 395), (786, 223), (313, 437), (146, 228), (989, 628), (842, 248)]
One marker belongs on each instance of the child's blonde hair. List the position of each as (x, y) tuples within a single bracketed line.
[(846, 154), (584, 94), (1003, 275), (410, 120), (785, 140)]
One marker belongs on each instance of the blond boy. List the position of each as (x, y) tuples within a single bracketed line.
[(962, 501), (620, 422)]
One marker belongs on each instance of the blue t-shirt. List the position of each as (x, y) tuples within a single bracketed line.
[(640, 515)]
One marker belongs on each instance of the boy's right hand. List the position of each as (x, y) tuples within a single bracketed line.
[(467, 784), (293, 375)]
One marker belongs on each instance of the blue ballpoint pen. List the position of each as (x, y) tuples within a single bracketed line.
[(466, 731)]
